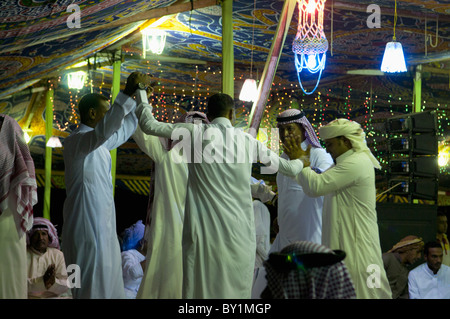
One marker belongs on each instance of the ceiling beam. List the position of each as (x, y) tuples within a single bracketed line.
[(178, 7)]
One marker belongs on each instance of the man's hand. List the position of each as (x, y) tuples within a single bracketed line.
[(133, 83), (292, 147), (49, 276)]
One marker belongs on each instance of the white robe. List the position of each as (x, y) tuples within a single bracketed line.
[(132, 271), (349, 220), (262, 232), (219, 232), (299, 215), (89, 235), (38, 264), (163, 276), (13, 256)]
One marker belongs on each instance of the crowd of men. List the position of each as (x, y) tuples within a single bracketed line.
[(199, 240)]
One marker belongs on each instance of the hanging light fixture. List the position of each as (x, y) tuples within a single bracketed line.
[(310, 44), (249, 91), (75, 80), (54, 142), (393, 58), (153, 40)]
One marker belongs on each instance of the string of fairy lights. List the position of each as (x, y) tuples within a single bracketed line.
[(171, 101)]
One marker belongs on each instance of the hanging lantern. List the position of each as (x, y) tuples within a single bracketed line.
[(249, 91), (310, 44), (75, 80), (393, 58), (153, 40), (54, 142)]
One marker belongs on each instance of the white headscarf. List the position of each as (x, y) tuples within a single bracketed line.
[(351, 130)]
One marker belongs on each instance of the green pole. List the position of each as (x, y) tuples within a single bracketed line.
[(227, 48), (418, 90), (48, 151), (114, 91)]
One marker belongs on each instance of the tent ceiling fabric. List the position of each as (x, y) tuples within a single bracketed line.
[(36, 44)]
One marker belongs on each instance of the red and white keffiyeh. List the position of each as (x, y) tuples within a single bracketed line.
[(296, 116), (17, 174)]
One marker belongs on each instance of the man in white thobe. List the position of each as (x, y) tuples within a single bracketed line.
[(89, 237), (219, 231), (299, 216), (163, 276), (349, 220), (47, 274), (18, 195), (431, 280)]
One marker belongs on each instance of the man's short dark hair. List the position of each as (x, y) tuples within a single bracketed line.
[(430, 244), (87, 102), (219, 105)]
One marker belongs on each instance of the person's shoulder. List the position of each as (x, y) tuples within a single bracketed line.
[(417, 269)]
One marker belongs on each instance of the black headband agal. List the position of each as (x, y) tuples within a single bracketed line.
[(281, 120)]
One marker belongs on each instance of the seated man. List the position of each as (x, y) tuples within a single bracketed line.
[(47, 274), (133, 258), (431, 280), (398, 261)]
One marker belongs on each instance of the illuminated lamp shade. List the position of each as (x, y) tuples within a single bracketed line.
[(54, 142), (249, 91), (310, 44), (393, 58), (153, 40), (75, 80)]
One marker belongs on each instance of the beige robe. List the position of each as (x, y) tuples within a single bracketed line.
[(349, 220)]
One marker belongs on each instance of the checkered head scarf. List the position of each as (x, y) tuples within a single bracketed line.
[(351, 130), (40, 223), (297, 116), (306, 270)]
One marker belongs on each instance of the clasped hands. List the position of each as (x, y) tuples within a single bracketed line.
[(50, 276), (293, 148), (133, 83)]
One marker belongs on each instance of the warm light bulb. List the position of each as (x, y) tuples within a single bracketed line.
[(443, 157), (311, 6)]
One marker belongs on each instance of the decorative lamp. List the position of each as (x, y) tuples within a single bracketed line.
[(54, 142), (75, 80), (153, 40), (249, 91), (393, 58), (310, 44)]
